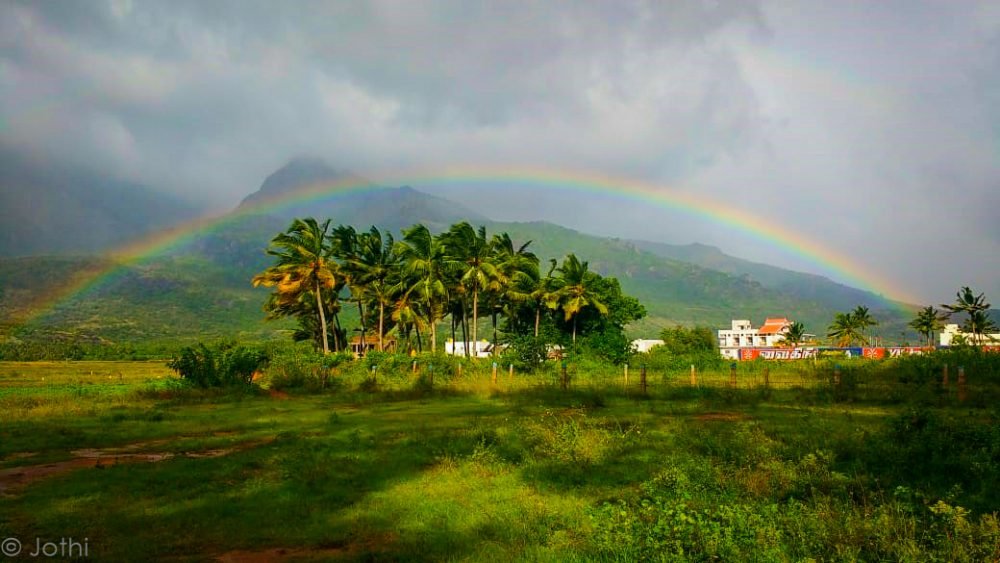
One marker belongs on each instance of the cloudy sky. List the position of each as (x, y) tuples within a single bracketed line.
[(872, 128)]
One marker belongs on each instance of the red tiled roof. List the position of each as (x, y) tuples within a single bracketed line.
[(774, 326)]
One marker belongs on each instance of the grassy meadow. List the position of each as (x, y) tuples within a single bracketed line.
[(310, 464)]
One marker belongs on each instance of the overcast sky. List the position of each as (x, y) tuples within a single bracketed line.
[(873, 127)]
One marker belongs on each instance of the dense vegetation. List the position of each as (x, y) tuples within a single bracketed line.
[(461, 275)]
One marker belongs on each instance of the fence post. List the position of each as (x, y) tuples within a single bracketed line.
[(510, 373), (732, 375), (767, 376), (460, 369), (642, 379), (836, 375), (374, 373), (944, 376), (963, 393), (626, 378), (414, 367), (494, 373), (430, 374), (694, 377), (564, 382)]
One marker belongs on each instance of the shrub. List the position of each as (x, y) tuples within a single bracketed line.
[(221, 365), (526, 352)]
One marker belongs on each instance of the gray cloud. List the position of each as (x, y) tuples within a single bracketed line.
[(868, 127)]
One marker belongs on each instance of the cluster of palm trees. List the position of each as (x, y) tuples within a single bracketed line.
[(852, 327), (414, 284), (977, 323)]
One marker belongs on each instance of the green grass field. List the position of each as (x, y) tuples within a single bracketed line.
[(123, 455)]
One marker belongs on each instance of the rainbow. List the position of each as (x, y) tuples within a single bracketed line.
[(687, 202)]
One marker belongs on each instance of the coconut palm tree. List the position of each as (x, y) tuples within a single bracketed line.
[(576, 290), (975, 307), (795, 334), (928, 321), (844, 330), (863, 320), (477, 268), (517, 268), (304, 265), (545, 293), (377, 268), (425, 261)]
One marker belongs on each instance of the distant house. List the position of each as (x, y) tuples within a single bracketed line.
[(744, 335), (641, 346), (371, 343), (951, 331)]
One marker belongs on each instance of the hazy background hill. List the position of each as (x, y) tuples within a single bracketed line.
[(49, 209), (202, 289)]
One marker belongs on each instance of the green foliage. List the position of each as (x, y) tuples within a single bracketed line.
[(526, 352), (680, 340), (222, 365)]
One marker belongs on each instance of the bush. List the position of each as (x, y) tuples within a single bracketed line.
[(221, 365), (526, 352)]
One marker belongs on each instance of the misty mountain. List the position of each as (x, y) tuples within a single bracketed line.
[(309, 187), (801, 285), (47, 209)]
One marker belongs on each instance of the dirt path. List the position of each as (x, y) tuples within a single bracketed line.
[(101, 458)]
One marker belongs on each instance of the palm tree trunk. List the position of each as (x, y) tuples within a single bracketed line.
[(336, 332), (322, 320), (465, 331), (361, 315), (494, 332), (574, 329), (475, 316), (538, 318), (434, 338), (420, 345), (381, 326), (454, 341)]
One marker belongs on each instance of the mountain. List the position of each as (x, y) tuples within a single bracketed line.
[(310, 187), (49, 209), (680, 292), (796, 284), (202, 290)]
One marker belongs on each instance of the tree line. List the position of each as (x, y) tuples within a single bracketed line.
[(852, 327), (412, 285)]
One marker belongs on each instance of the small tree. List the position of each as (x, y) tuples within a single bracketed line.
[(928, 321), (795, 334)]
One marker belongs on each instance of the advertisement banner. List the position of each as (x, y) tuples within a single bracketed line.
[(788, 353), (853, 352), (748, 354)]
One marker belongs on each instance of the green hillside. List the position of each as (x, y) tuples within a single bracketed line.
[(676, 292), (204, 293)]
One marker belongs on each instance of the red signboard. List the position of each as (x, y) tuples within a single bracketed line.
[(894, 351)]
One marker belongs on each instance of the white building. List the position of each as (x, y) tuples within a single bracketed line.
[(481, 349), (642, 346), (951, 331), (744, 335)]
